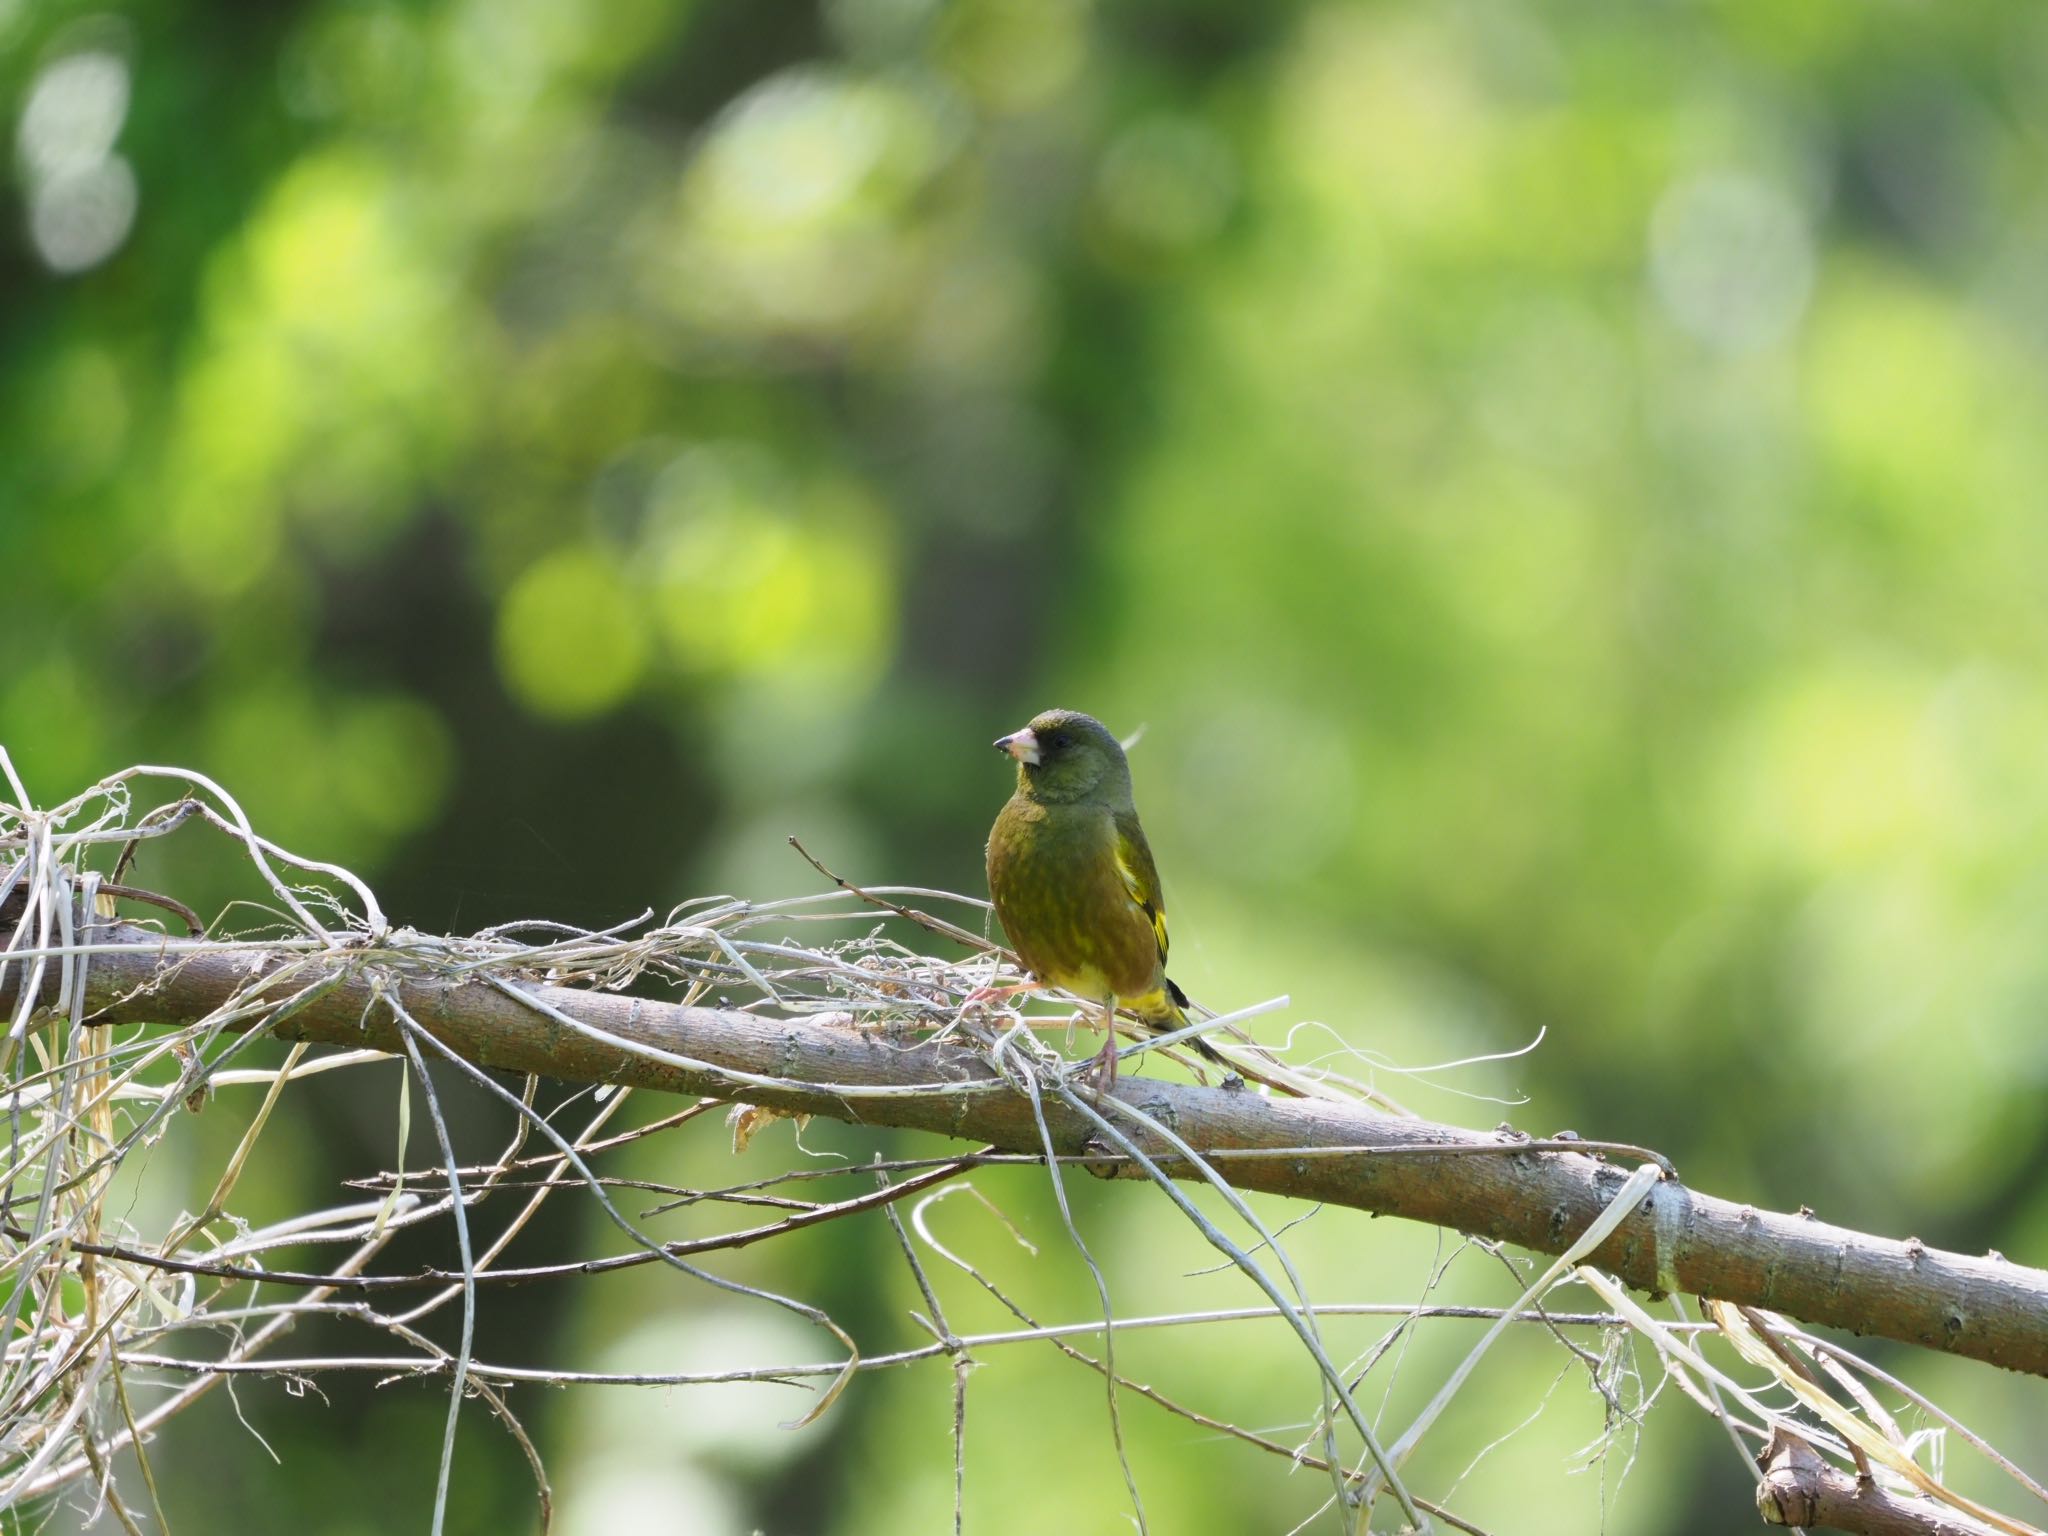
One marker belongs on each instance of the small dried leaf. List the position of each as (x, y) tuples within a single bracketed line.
[(196, 1100), (746, 1120)]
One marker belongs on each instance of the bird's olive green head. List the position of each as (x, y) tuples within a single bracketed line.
[(1063, 756)]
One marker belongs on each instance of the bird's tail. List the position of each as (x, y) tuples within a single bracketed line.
[(1162, 1013)]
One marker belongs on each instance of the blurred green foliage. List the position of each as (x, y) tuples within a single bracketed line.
[(1561, 487)]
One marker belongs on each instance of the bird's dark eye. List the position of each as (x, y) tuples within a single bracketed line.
[(1061, 741)]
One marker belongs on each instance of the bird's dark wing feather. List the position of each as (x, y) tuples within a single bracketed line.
[(1141, 879), (1141, 876)]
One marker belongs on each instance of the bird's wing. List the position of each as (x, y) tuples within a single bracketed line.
[(1141, 876)]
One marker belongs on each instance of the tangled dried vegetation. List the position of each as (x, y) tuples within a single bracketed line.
[(120, 1313)]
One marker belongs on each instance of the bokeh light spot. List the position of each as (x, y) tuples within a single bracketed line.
[(392, 760), (74, 114), (1731, 259), (763, 574), (78, 218), (1166, 182), (571, 639), (81, 195), (1014, 55), (790, 215)]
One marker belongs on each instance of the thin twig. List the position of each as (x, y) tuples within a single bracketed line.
[(459, 1207), (963, 1363)]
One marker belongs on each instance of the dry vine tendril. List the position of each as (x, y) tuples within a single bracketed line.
[(107, 1312)]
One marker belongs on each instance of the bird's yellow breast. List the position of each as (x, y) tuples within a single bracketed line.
[(1062, 899)]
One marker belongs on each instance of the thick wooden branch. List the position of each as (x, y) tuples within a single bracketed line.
[(1677, 1240), (1800, 1489)]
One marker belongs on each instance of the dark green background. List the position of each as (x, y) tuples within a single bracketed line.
[(1562, 488)]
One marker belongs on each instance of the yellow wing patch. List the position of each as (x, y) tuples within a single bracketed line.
[(1134, 869)]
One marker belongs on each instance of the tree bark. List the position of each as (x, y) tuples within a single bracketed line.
[(1800, 1489), (1677, 1240)]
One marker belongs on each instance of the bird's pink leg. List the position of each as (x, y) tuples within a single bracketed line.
[(1104, 1071)]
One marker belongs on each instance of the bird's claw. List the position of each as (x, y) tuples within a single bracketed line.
[(1103, 1070)]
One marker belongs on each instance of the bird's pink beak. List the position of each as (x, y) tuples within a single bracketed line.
[(1022, 745)]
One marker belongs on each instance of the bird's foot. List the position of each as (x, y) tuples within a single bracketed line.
[(1104, 1069)]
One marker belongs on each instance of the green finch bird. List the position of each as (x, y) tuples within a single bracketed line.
[(1072, 875)]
